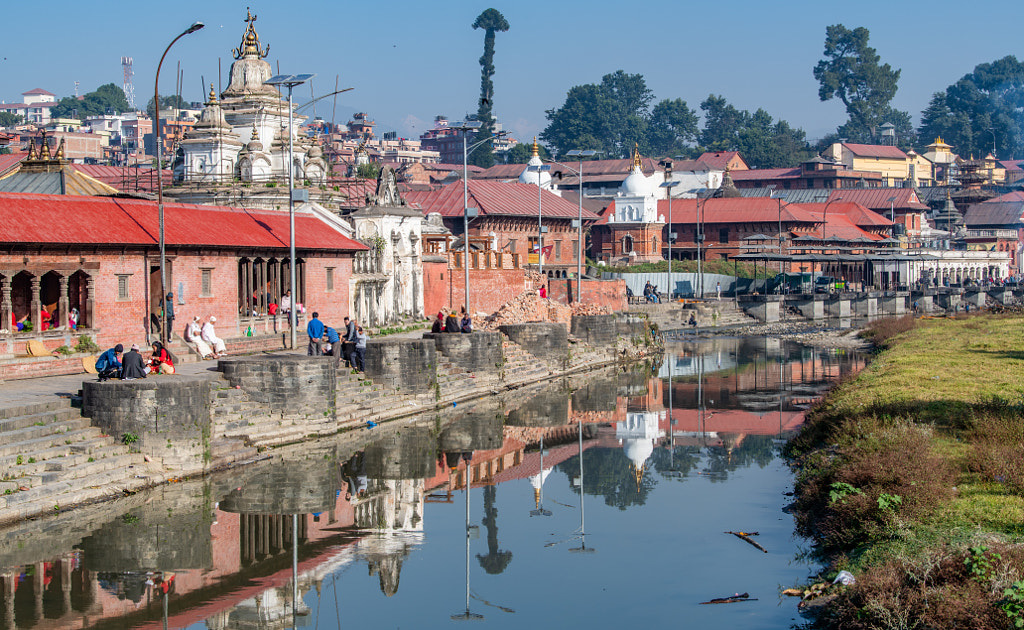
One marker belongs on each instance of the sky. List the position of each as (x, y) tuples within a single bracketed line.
[(409, 61)]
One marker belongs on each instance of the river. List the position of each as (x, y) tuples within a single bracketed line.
[(671, 456)]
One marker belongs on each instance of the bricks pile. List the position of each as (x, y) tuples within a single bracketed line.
[(530, 307)]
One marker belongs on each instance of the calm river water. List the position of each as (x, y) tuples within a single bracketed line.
[(674, 454)]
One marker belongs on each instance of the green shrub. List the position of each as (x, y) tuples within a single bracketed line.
[(86, 345)]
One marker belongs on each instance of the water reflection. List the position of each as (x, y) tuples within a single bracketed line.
[(272, 545)]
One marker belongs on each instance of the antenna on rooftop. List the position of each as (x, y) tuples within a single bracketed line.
[(129, 74), (76, 89)]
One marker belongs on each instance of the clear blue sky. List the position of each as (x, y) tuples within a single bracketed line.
[(411, 60)]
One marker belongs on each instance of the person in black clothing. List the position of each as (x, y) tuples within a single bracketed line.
[(133, 366), (438, 323), (348, 340), (451, 324)]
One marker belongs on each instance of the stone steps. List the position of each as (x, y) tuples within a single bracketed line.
[(27, 447), (63, 457), (48, 497)]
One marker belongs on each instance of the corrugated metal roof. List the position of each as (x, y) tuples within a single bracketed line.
[(591, 169), (855, 212), (764, 173), (877, 199), (1015, 195), (719, 159), (1009, 214), (125, 179), (104, 221), (876, 150), (728, 210), (796, 195), (496, 198), (35, 183), (10, 161)]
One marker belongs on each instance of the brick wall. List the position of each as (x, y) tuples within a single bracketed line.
[(607, 293), (489, 289), (116, 321)]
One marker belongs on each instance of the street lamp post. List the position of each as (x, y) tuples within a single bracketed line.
[(700, 233), (824, 215), (540, 213), (669, 184), (579, 221), (465, 127), (164, 334), (290, 81), (780, 196)]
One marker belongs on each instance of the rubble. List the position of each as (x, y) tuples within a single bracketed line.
[(530, 307)]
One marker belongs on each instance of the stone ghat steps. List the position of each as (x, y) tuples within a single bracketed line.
[(51, 454), (521, 366)]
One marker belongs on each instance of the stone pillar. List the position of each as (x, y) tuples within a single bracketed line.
[(90, 304), (417, 273), (64, 303), (38, 590), (6, 306), (10, 582), (67, 567), (34, 314)]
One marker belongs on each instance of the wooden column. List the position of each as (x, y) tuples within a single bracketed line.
[(6, 306), (87, 320)]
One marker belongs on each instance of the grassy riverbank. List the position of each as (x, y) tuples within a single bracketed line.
[(911, 476)]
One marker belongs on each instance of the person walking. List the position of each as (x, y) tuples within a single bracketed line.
[(169, 309), (315, 330), (718, 291)]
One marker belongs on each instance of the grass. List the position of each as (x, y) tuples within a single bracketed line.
[(723, 267), (937, 419)]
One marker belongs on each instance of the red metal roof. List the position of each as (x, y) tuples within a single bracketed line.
[(108, 221), (858, 214), (38, 91), (875, 150), (838, 223), (10, 160), (719, 159), (496, 198), (1016, 195), (877, 199), (764, 173), (728, 210)]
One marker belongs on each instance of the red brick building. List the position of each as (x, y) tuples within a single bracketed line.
[(508, 221), (101, 257)]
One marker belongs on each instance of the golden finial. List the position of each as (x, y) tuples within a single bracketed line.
[(535, 152), (250, 46), (44, 150), (636, 155), (536, 497), (213, 96), (60, 150), (255, 134), (31, 149), (638, 474)]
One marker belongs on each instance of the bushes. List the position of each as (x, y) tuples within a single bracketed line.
[(881, 331)]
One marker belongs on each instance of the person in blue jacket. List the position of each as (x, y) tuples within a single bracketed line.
[(315, 330), (109, 364), (335, 340)]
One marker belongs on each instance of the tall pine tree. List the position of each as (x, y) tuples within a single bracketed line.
[(492, 21)]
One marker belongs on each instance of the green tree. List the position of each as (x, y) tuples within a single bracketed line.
[(762, 141), (610, 117), (105, 98), (521, 153), (167, 102), (9, 120), (492, 21), (672, 128), (851, 71), (368, 170), (985, 107)]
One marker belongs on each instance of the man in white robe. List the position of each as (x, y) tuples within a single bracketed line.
[(209, 335), (194, 337)]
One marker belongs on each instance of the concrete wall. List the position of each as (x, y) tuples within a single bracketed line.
[(285, 383), (480, 351), (684, 284), (168, 417), (542, 340), (409, 364)]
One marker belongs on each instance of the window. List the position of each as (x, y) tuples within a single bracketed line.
[(122, 288), (330, 278), (206, 284), (723, 235), (575, 248), (558, 249), (512, 245)]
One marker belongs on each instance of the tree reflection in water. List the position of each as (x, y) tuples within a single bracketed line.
[(609, 475)]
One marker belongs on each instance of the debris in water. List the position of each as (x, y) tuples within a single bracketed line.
[(747, 537), (732, 599)]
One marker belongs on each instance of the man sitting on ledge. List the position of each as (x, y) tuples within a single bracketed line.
[(108, 366)]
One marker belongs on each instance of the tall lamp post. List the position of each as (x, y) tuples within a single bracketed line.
[(290, 81), (669, 184), (780, 196), (538, 169), (700, 232), (579, 222), (467, 212), (160, 183)]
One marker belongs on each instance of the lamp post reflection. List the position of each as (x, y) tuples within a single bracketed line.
[(538, 485), (452, 460), (583, 521)]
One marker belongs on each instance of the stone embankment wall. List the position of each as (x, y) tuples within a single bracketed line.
[(480, 351), (407, 364), (285, 383), (167, 420), (545, 341)]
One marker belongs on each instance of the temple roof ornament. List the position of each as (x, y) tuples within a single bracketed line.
[(636, 155), (250, 46)]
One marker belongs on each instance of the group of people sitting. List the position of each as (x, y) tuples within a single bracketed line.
[(201, 335), (130, 366), (324, 340), (49, 317), (452, 323), (651, 293)]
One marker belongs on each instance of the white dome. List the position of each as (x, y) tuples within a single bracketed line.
[(532, 177), (638, 450), (636, 184), (538, 480)]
